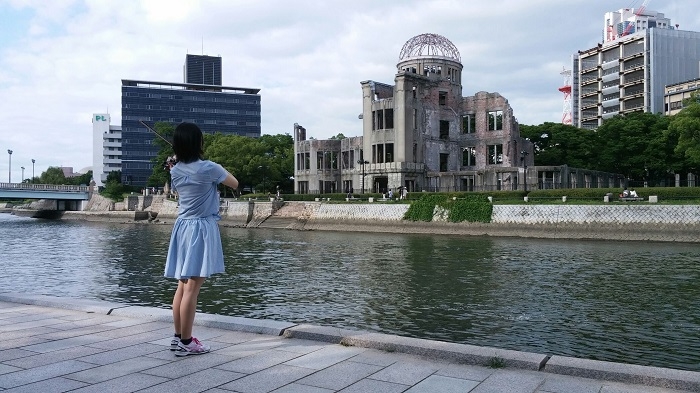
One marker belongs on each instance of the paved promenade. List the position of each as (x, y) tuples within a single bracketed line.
[(55, 345)]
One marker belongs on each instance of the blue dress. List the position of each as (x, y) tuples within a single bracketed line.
[(195, 243)]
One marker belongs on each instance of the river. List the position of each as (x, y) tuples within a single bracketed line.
[(631, 302)]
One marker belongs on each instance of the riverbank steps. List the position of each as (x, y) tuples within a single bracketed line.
[(82, 345), (635, 222)]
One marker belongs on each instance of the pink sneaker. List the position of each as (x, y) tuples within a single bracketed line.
[(193, 348)]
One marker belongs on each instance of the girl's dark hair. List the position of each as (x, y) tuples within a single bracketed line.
[(187, 142)]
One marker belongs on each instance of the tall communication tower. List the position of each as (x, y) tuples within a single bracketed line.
[(566, 89)]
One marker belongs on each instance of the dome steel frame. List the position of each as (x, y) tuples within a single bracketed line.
[(429, 45)]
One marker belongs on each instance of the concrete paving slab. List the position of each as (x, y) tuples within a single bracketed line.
[(119, 369), (36, 374), (268, 380), (259, 361), (373, 386), (325, 357), (438, 383), (53, 385), (340, 375), (406, 372), (561, 384), (472, 373), (195, 382), (627, 373), (126, 384), (6, 369), (516, 381), (43, 359), (102, 357), (15, 353), (55, 345), (298, 388), (177, 367), (19, 342)]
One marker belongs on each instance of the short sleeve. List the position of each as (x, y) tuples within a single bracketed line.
[(217, 172)]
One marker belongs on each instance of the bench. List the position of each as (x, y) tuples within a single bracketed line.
[(631, 199)]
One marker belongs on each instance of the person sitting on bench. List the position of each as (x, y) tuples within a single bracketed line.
[(625, 193), (633, 194)]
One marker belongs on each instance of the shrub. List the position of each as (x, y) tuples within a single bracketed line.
[(471, 208)]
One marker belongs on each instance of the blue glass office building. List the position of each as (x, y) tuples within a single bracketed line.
[(228, 110), (202, 69)]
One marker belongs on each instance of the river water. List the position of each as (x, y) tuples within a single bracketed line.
[(631, 302)]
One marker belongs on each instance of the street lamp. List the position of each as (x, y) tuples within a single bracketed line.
[(524, 154), (22, 179), (363, 162), (9, 176), (33, 161), (263, 172)]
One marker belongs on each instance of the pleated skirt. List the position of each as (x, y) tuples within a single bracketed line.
[(195, 249)]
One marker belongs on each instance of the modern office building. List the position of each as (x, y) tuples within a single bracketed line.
[(641, 54), (202, 70), (676, 94), (214, 108), (106, 148)]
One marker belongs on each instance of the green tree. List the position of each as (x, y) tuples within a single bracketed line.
[(83, 179), (339, 136), (560, 144), (632, 145), (160, 175), (114, 176), (684, 127), (52, 175)]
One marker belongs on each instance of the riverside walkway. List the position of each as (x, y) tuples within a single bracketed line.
[(56, 345)]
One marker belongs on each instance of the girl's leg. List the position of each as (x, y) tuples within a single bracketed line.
[(177, 301), (188, 304)]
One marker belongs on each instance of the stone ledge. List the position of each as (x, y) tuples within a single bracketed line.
[(261, 326), (627, 373), (76, 304), (320, 333), (463, 353)]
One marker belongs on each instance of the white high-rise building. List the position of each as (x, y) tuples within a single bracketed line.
[(628, 21), (106, 148), (629, 72)]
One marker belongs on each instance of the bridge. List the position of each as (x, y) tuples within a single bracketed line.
[(44, 191)]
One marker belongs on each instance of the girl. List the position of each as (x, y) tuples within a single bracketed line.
[(195, 250)]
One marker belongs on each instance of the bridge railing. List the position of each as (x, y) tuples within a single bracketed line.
[(43, 187)]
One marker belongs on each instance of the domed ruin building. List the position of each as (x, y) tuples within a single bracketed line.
[(422, 134)]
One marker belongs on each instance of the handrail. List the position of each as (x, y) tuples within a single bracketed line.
[(44, 187)]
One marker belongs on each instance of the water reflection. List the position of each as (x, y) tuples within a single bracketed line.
[(617, 301)]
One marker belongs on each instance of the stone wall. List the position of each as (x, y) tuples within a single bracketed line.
[(634, 221), (236, 213)]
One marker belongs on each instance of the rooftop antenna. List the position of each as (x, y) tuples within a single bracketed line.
[(202, 45)]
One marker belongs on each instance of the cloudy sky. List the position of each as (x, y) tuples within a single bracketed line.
[(63, 60)]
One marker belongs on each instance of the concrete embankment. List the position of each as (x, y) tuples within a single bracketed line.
[(638, 222)]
